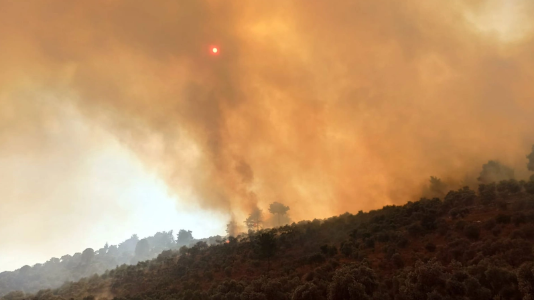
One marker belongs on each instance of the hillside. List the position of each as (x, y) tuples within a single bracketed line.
[(470, 245), (56, 271)]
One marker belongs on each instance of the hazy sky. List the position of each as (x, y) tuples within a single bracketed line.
[(116, 119), (80, 189)]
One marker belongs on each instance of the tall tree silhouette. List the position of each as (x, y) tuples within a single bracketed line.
[(231, 228), (184, 237), (142, 249), (494, 171), (255, 220), (437, 187), (279, 210)]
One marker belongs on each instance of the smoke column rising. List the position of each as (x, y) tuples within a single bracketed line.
[(326, 106)]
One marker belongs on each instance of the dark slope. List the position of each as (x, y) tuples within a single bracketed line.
[(468, 246)]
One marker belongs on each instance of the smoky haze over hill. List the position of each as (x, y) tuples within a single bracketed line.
[(325, 106)]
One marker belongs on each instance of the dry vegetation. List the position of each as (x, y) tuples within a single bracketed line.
[(470, 245)]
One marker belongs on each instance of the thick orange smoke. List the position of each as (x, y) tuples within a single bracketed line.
[(326, 106)]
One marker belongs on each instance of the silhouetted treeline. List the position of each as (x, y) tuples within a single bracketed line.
[(57, 271)]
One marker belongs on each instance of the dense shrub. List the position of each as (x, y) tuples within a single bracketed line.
[(518, 219), (525, 280), (460, 225), (503, 219), (528, 231), (347, 248), (487, 193), (508, 187), (402, 241), (472, 231), (430, 247), (490, 224), (308, 291), (496, 230), (329, 250), (458, 212), (463, 197), (397, 260), (353, 282), (316, 258), (415, 230), (529, 186)]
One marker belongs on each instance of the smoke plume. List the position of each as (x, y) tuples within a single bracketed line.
[(325, 106)]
